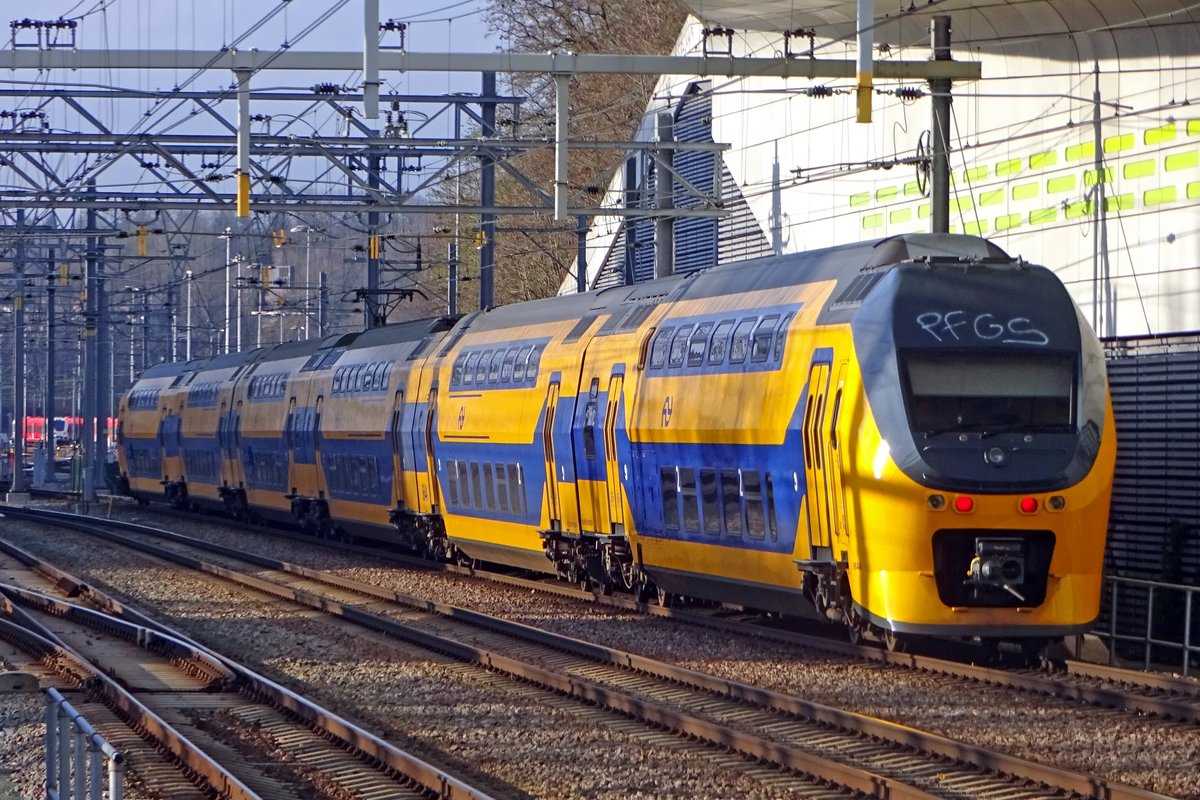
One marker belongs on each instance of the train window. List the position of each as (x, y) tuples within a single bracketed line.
[(456, 372), (679, 346), (756, 524), (808, 407), (710, 500), (990, 393), (356, 382), (469, 368), (506, 367), (769, 487), (531, 366), (516, 499), (501, 489), (489, 486), (368, 381), (698, 344), (481, 369), (740, 347), (781, 335), (691, 500), (519, 364), (731, 499), (494, 369), (764, 337), (658, 350), (589, 426), (670, 497), (476, 488), (452, 483), (338, 377)]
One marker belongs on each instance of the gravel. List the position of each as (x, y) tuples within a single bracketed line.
[(417, 699)]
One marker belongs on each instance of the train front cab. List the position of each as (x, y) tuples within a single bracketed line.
[(980, 484)]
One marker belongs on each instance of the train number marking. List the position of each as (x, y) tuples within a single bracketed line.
[(666, 412), (959, 325)]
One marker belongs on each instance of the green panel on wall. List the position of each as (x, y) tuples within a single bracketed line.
[(1156, 197), (1139, 169), (1008, 222), (1158, 135), (1182, 161), (1024, 191), (1077, 151), (1063, 183)]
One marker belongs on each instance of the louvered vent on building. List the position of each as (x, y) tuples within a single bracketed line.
[(1154, 528), (695, 238)]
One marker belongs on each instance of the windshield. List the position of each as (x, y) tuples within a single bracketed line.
[(990, 393)]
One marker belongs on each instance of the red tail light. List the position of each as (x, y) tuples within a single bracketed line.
[(1029, 505), (963, 504)]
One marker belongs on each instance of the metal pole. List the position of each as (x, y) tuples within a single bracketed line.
[(238, 294), (631, 201), (371, 59), (1101, 288), (187, 347), (243, 142), (452, 283), (487, 198), (581, 231), (562, 113), (90, 365), (664, 229), (940, 168), (104, 387), (323, 306), (17, 486), (51, 366), (228, 284), (371, 304), (307, 278), (51, 717)]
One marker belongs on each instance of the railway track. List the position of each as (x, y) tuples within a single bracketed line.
[(868, 756), (1104, 686)]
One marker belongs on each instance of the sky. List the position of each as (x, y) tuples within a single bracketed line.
[(209, 25)]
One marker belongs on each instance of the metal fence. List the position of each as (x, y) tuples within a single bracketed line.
[(77, 757), (1166, 636)]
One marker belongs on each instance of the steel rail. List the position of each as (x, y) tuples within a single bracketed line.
[(57, 654), (1182, 704), (892, 733), (153, 635)]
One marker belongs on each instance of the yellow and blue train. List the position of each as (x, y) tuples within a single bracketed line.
[(910, 436)]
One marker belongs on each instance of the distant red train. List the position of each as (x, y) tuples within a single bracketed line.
[(65, 430)]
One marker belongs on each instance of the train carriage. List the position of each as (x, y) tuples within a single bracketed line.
[(373, 454), (149, 445), (909, 436)]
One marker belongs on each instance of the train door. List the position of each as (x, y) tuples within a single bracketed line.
[(616, 506), (833, 469), (225, 442), (289, 443), (430, 464), (552, 499), (395, 439), (815, 455), (314, 443)]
